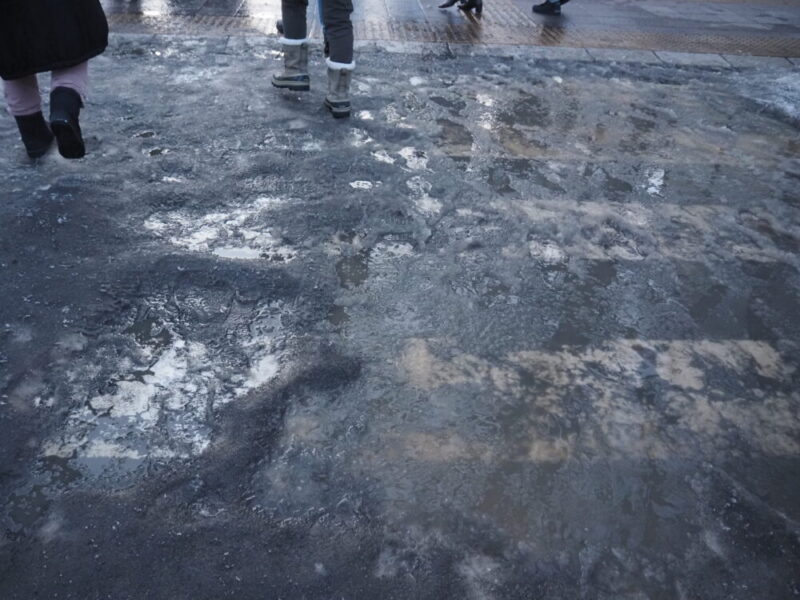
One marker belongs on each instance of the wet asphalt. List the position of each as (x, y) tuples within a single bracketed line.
[(522, 328)]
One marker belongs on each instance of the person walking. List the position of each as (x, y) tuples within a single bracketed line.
[(59, 36), (338, 32), (549, 7)]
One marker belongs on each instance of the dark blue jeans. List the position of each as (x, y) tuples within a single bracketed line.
[(335, 21)]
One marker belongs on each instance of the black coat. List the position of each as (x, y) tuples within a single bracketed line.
[(42, 35)]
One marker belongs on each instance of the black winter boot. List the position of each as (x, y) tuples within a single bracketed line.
[(548, 8), (35, 134), (65, 108), (476, 5), (338, 98)]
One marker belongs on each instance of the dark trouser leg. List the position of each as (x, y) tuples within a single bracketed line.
[(294, 19), (339, 29), (295, 48)]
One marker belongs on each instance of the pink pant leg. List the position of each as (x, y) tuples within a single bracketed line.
[(22, 96), (75, 78)]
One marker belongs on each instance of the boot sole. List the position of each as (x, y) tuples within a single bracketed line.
[(39, 151), (297, 86), (69, 141), (337, 112)]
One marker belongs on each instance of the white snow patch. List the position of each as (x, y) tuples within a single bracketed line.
[(224, 233), (558, 79), (415, 81), (361, 185), (383, 156), (486, 121), (655, 181), (361, 138), (422, 199), (391, 115), (780, 94), (162, 399), (365, 115), (243, 253), (547, 251), (393, 249), (416, 160), (263, 371)]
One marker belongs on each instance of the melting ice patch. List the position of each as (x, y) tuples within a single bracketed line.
[(383, 156), (361, 185), (705, 412), (170, 390), (160, 399), (240, 233), (779, 94), (416, 160), (547, 252), (422, 199), (655, 181), (360, 138)]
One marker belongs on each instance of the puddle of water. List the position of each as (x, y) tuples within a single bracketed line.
[(150, 331), (455, 139), (353, 270), (338, 316)]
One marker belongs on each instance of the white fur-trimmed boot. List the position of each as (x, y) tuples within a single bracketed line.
[(295, 66), (339, 77)]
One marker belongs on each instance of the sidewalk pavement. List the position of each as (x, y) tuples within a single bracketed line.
[(525, 326)]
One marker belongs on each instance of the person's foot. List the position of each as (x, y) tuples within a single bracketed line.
[(547, 8), (65, 107), (35, 134), (337, 101), (476, 5), (295, 68)]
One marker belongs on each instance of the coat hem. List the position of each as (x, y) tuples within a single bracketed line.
[(63, 64)]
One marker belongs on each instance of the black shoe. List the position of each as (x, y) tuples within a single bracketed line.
[(35, 134), (476, 5), (65, 107), (448, 4), (279, 26), (548, 8)]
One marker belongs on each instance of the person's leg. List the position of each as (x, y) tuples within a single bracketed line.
[(294, 19), (67, 92), (295, 47), (25, 104), (74, 78), (22, 96), (339, 32)]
